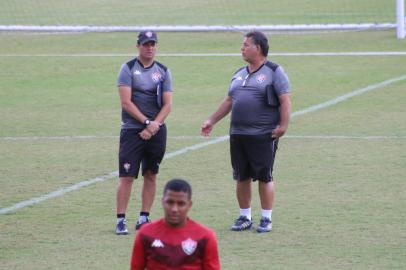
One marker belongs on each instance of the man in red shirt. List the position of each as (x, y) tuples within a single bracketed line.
[(175, 241)]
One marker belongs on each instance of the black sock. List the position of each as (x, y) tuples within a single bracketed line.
[(144, 214), (120, 215)]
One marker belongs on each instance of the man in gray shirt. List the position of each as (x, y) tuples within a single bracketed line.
[(145, 90), (259, 101)]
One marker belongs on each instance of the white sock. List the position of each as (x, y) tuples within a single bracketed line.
[(246, 212), (267, 213)]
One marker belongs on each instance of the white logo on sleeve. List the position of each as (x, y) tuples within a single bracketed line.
[(157, 243), (189, 246)]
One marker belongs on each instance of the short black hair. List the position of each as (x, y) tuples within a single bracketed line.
[(259, 39), (179, 185)]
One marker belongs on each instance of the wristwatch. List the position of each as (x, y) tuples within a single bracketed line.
[(147, 122)]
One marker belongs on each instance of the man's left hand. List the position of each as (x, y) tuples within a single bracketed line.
[(278, 132)]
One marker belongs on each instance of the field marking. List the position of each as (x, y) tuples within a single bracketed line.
[(372, 53), (182, 137), (344, 137), (348, 95), (88, 182), (101, 178)]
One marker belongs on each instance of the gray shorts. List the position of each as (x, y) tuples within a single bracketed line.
[(252, 156)]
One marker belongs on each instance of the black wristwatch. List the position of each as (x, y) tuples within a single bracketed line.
[(147, 122)]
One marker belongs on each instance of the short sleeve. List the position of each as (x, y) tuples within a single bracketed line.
[(281, 81), (124, 76), (167, 83)]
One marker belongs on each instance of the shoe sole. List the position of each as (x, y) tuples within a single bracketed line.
[(241, 229), (263, 230), (122, 233)]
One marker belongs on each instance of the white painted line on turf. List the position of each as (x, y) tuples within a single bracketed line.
[(348, 95), (46, 138), (49, 138), (102, 178), (57, 193), (320, 106), (339, 137), (295, 54), (89, 137)]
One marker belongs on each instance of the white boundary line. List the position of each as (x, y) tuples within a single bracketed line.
[(102, 178), (88, 182), (348, 95), (68, 138), (372, 53), (339, 137)]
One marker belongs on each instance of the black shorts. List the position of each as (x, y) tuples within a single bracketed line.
[(135, 151), (252, 156)]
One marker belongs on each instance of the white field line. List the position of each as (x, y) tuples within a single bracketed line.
[(348, 95), (101, 178), (327, 137), (372, 53), (77, 186), (344, 137)]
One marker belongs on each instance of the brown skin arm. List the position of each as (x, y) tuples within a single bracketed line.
[(223, 110), (285, 109)]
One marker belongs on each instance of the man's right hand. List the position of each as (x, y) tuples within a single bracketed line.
[(207, 127), (145, 134)]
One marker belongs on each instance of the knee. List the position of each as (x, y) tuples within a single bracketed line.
[(149, 176)]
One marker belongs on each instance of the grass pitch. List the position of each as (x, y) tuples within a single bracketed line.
[(339, 202)]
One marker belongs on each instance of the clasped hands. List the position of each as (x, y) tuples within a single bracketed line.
[(150, 130)]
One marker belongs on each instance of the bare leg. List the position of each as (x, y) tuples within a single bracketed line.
[(243, 190), (123, 193), (266, 194), (148, 191)]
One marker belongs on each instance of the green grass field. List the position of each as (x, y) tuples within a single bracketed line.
[(186, 12), (340, 200)]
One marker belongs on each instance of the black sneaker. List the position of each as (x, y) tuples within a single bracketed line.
[(265, 225), (143, 221), (242, 223)]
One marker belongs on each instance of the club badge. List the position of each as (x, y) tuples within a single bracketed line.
[(189, 246), (261, 78), (156, 76)]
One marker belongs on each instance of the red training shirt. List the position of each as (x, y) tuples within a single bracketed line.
[(158, 246)]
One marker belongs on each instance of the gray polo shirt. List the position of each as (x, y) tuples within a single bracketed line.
[(144, 84), (250, 113)]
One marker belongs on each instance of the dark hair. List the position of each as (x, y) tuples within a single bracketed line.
[(259, 38), (179, 185)]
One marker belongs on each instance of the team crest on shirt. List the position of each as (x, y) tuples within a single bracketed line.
[(189, 246), (156, 76), (261, 78), (127, 167)]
